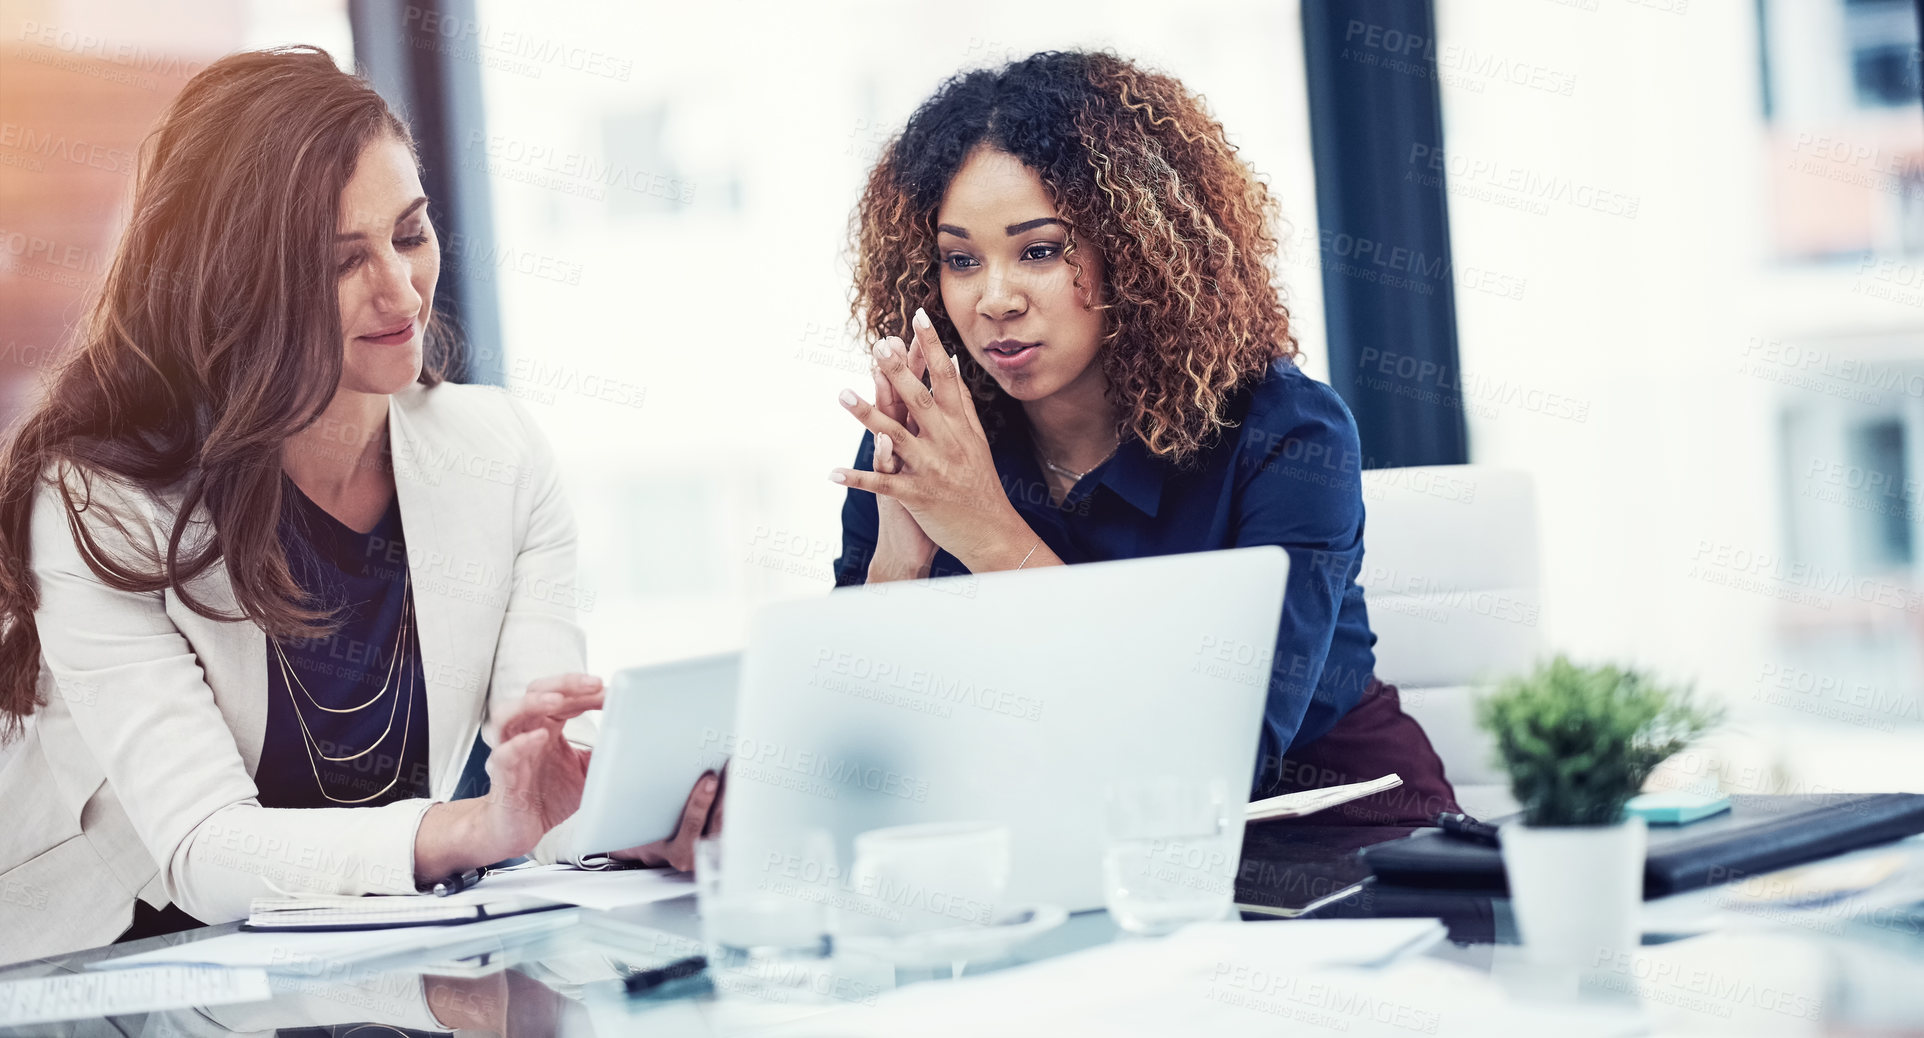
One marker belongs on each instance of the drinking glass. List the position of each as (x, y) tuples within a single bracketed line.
[(1170, 854), (778, 913), (911, 879)]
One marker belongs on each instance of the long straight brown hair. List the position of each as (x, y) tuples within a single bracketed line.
[(215, 337)]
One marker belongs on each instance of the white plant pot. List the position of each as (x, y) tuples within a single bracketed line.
[(1577, 891)]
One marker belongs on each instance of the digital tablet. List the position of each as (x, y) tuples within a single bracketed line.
[(661, 727)]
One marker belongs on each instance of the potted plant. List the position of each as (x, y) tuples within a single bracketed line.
[(1577, 743)]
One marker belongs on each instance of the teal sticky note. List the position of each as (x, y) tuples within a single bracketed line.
[(1675, 807)]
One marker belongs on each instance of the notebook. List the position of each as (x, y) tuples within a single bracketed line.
[(1310, 801), (1758, 834), (380, 913)]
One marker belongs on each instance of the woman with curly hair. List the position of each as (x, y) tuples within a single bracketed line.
[(1125, 385)]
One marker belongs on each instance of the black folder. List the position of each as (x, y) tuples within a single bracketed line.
[(1758, 834)]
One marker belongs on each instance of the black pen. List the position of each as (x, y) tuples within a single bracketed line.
[(456, 883), (650, 979), (1463, 827)]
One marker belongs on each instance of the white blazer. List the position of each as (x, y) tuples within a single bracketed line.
[(136, 778)]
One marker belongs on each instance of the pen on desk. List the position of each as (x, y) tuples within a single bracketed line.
[(650, 979), (458, 882), (1463, 827)]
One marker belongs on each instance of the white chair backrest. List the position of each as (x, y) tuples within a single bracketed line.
[(1450, 572), (1450, 575)]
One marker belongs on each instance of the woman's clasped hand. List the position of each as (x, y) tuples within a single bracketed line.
[(934, 478)]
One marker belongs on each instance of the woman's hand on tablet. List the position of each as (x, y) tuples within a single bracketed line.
[(700, 816), (534, 782), (535, 775), (948, 481)]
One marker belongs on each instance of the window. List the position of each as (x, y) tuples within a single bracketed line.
[(1882, 38), (1879, 492), (1731, 302), (81, 85), (696, 167)]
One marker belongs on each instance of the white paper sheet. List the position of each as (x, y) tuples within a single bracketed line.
[(76, 996), (588, 888), (1227, 980), (1309, 801), (307, 953)]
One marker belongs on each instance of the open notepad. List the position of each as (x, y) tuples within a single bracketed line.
[(1310, 801), (380, 913), (502, 892)]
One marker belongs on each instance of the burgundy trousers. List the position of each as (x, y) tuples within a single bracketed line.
[(1372, 740)]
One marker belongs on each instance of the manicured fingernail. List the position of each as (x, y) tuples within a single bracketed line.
[(837, 476), (883, 443), (708, 784), (848, 398), (922, 320), (886, 348)]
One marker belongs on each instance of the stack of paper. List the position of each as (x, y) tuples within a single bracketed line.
[(588, 888), (1310, 801)]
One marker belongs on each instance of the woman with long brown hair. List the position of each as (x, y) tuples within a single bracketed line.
[(264, 572), (1082, 235)]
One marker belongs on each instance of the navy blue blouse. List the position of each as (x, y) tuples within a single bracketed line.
[(365, 577), (1288, 473)]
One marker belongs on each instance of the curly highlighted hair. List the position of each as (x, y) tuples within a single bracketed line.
[(1141, 173)]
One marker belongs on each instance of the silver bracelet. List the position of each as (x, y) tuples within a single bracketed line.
[(1032, 548)]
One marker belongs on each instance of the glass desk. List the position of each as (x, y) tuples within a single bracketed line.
[(1862, 975)]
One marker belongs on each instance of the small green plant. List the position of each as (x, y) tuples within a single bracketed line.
[(1579, 741)]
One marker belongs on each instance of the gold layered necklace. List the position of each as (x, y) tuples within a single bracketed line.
[(400, 672), (1065, 472)]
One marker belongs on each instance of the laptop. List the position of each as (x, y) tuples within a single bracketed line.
[(1761, 833), (1015, 697)]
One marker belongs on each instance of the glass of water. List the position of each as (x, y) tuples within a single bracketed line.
[(1170, 855), (931, 876), (780, 913)]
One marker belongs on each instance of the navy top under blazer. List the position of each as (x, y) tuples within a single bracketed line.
[(364, 577), (1287, 473)]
